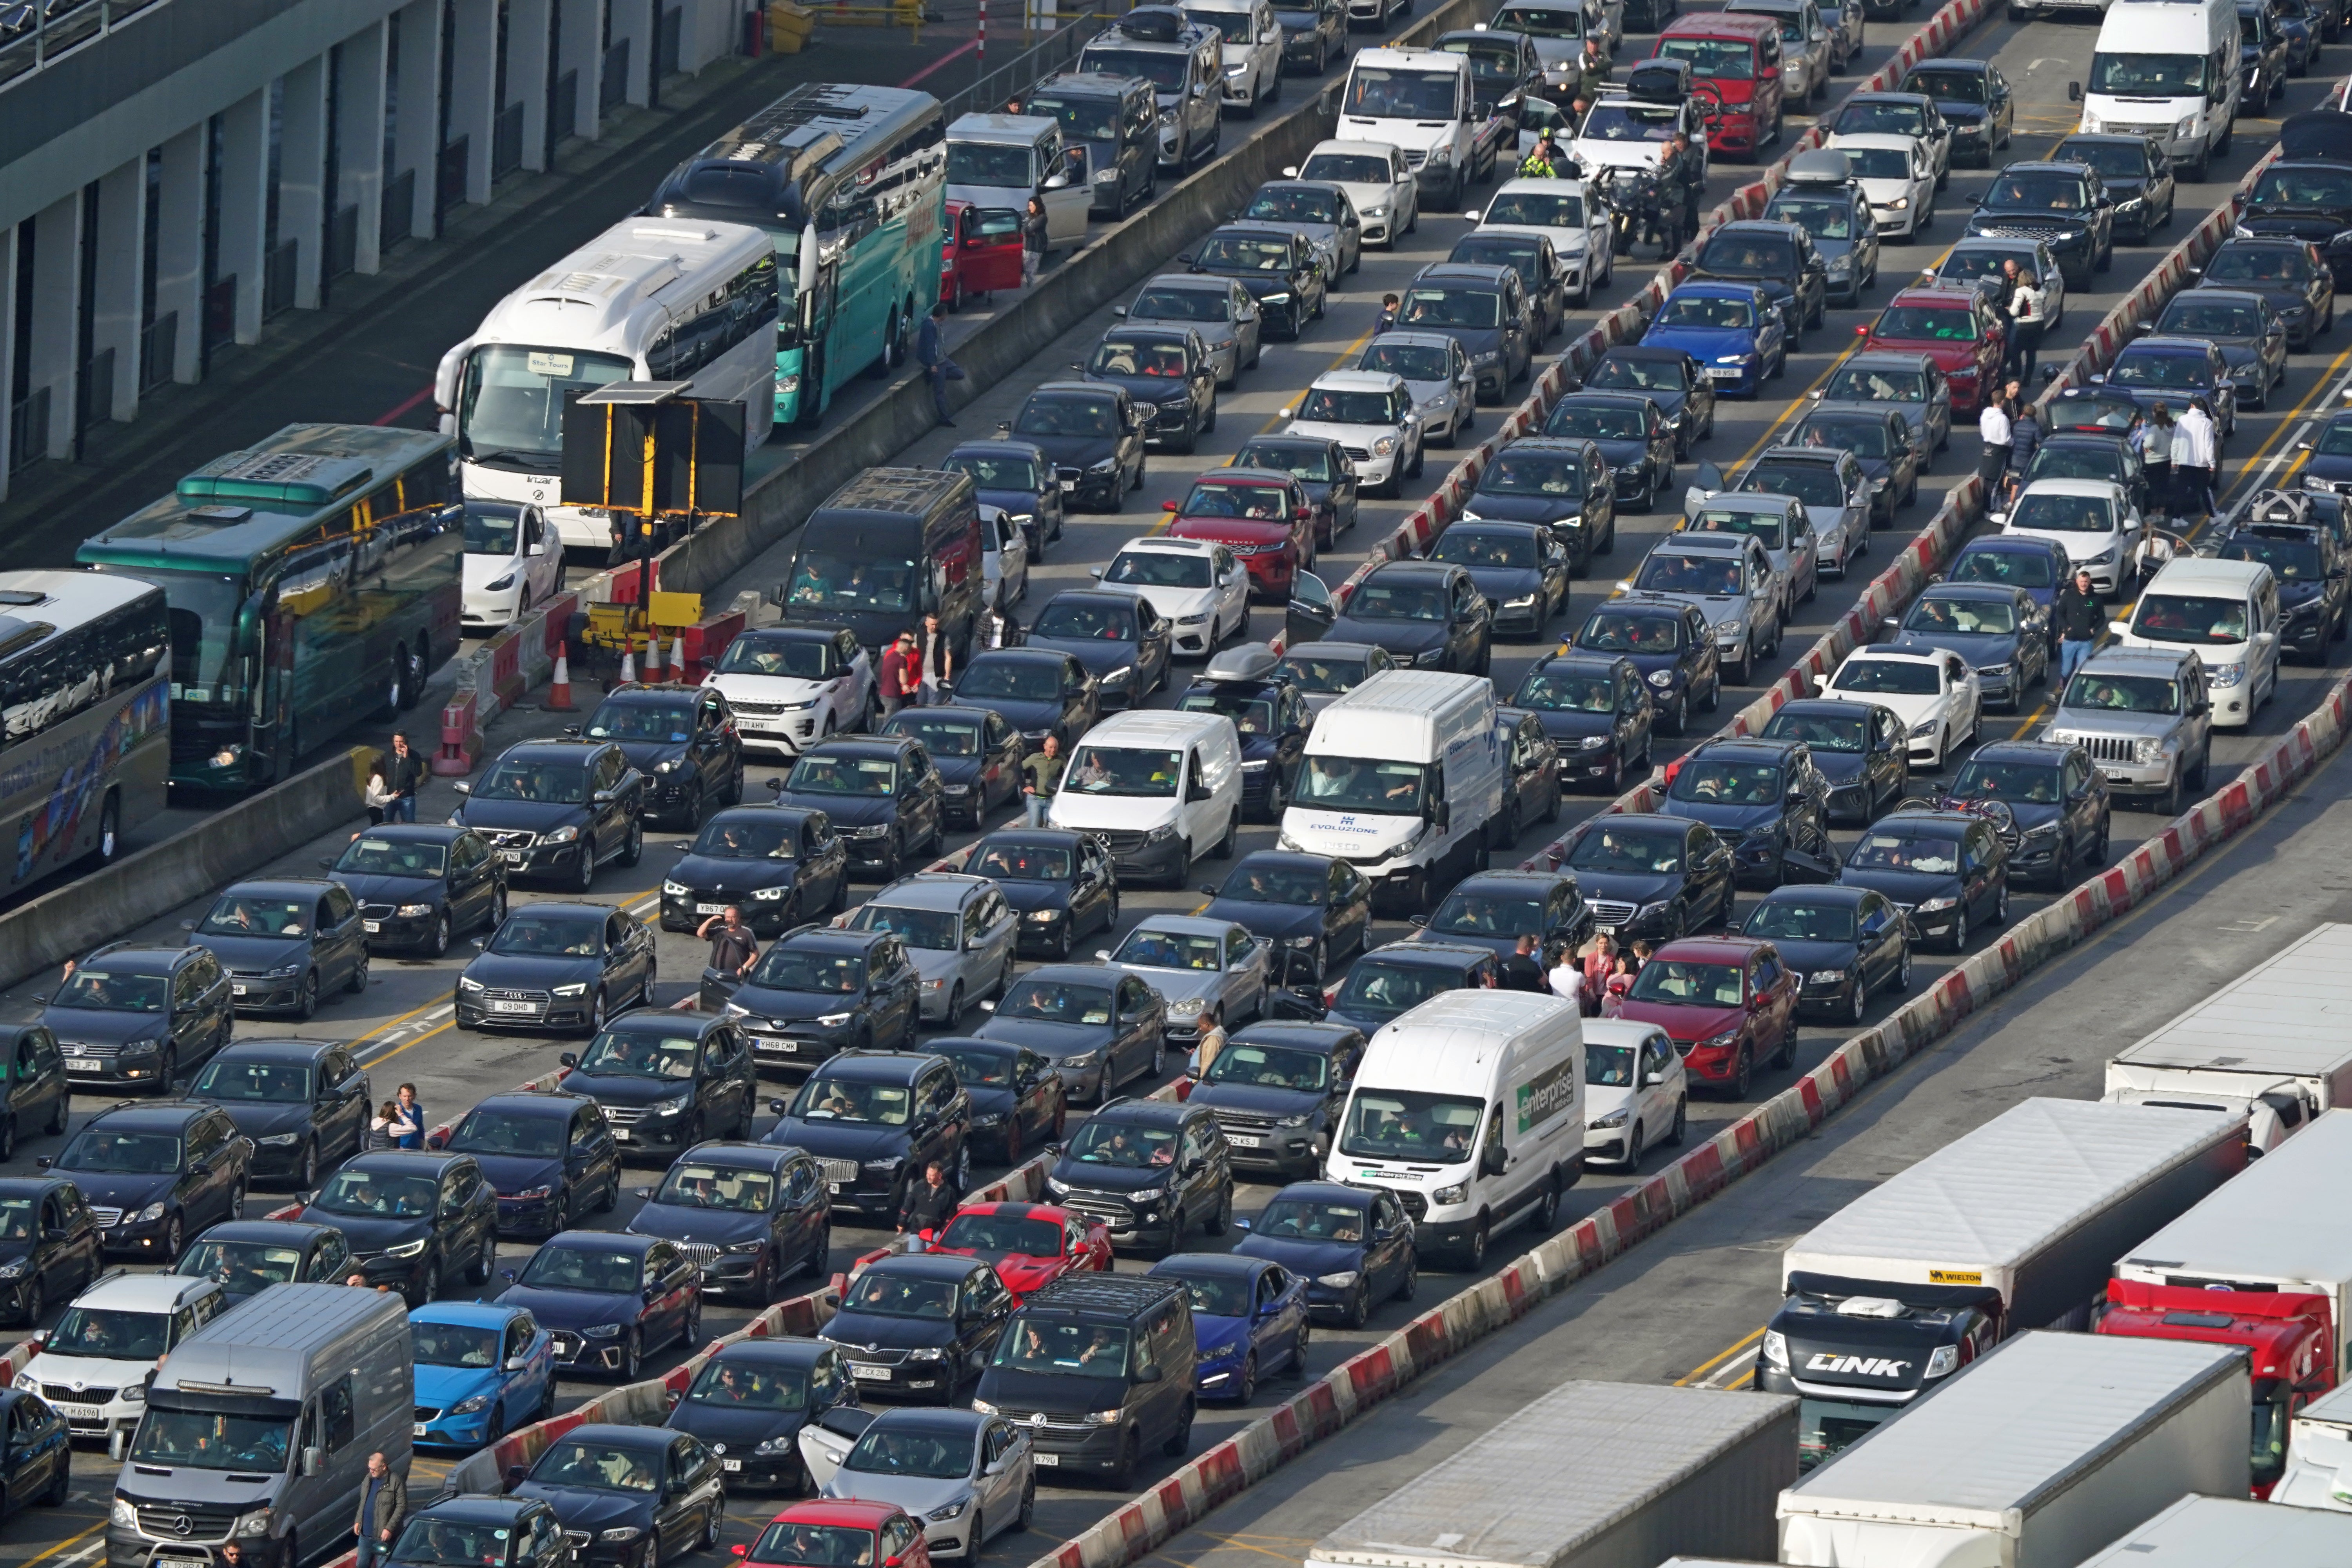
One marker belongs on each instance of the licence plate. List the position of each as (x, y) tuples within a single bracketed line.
[(84, 1063), (511, 857), (1241, 1140), (870, 1373), (420, 1429), (1047, 1459), (836, 1188), (2116, 773), (237, 990), (1069, 485), (711, 909), (620, 1135), (1722, 372), (91, 1412), (777, 1044), (372, 927), (732, 1464), (513, 1007)]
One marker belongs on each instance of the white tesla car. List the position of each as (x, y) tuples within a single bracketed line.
[(1934, 693)]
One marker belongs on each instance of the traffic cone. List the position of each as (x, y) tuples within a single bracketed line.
[(628, 662), (559, 689), (677, 659)]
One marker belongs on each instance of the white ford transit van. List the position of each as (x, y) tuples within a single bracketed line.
[(2167, 71), (1419, 101), (1160, 790)]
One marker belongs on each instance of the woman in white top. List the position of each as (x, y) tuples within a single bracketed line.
[(2026, 307), (377, 796)]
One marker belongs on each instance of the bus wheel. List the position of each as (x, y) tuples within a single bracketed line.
[(109, 832), (412, 672), (396, 696)]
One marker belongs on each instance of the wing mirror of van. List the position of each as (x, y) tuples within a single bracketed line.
[(1440, 817), (1491, 1160), (2074, 92), (313, 1461), (1196, 790)]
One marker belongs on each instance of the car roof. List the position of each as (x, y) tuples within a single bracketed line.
[(652, 1439), (267, 1049), (2219, 291), (160, 1114), (1709, 949), (281, 887), (1493, 274), (1907, 656), (475, 1314), (1211, 1266), (148, 1292), (640, 1245), (1162, 543), (1072, 974), (1947, 823), (1646, 351), (1436, 571), (1952, 62), (1890, 359), (778, 1351), (956, 1421), (404, 1161), (879, 1067), (1824, 892), (1329, 1193), (1413, 338), (926, 1265), (562, 909), (1584, 661), (1295, 1034), (1986, 591), (946, 890), (1430, 954), (1184, 925), (2050, 751), (1136, 1111), (1710, 288), (2109, 489), (280, 1230), (737, 1154), (1759, 747), (998, 448), (649, 694), (1357, 381)]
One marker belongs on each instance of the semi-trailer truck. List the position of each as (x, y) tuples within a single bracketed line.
[(2319, 1455), (2015, 1225), (2232, 1532)]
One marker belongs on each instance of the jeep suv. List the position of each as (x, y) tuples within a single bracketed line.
[(1147, 1169), (1093, 1367), (2146, 718)]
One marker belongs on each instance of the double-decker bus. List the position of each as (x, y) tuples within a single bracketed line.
[(850, 182), (311, 580)]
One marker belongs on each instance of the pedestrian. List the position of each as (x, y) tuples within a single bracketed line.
[(2194, 454), (929, 1205), (1033, 240), (1600, 957), (377, 796), (1641, 951), (1040, 775), (1992, 429), (1566, 979), (2153, 440), (1212, 1046), (408, 1120), (939, 665), (404, 776), (1612, 996), (2080, 622), (2024, 440), (1593, 69), (932, 353), (1692, 176), (231, 1555), (383, 1129), (384, 1498), (356, 1280), (2026, 308), (1522, 968), (895, 682), (734, 947), (1390, 306)]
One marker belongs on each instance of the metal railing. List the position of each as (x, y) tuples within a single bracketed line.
[(280, 270), (159, 347), (450, 180), (562, 112), (28, 429), (505, 143), (1056, 52), (36, 32)]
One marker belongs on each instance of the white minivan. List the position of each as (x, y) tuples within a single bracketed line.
[(1160, 789), (1470, 1108), (2226, 610), (2168, 71), (1419, 101)]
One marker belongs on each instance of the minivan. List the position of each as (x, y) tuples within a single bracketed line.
[(2227, 611), (1117, 120), (1421, 101), (1094, 1367), (886, 549), (1160, 789), (1003, 159), (1182, 58)]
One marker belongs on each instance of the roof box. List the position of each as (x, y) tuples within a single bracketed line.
[(1819, 168), (1251, 661), (1160, 23), (1659, 81), (2319, 134)]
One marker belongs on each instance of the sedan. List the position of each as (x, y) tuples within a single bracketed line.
[(881, 793), (1436, 370), (639, 1494), (415, 1218), (38, 1462), (977, 752), (1520, 568), (1249, 1320), (1936, 695), (1668, 377), (612, 1299), (1908, 114), (2058, 802), (1099, 1027), (1352, 1245), (1039, 692), (682, 740), (1167, 373), (1730, 581), (1843, 943), (557, 966), (1728, 1001), (1733, 329), (750, 1400), (2243, 325), (1018, 477), (283, 942), (418, 885), (1060, 883), (763, 1210), (1319, 210), (305, 1104), (1378, 180), (920, 1323), (550, 1157), (1123, 643), (1564, 212), (1530, 255), (481, 1373), (1219, 309), (1984, 259), (1426, 614), (816, 992), (1858, 749), (53, 1248), (1636, 1092), (129, 1016), (1563, 483), (1784, 527), (247, 1256), (1652, 876), (1031, 1245), (2087, 454), (1276, 264), (781, 866), (1093, 433), (1633, 435), (1973, 98), (153, 1172), (1018, 1101), (966, 1476), (1944, 869), (1312, 909), (1898, 174), (1323, 470), (1494, 909), (1881, 444), (1912, 384), (2136, 172), (558, 810), (1388, 982), (2290, 273), (663, 1078), (1203, 970), (2171, 371), (2000, 631), (1597, 712)]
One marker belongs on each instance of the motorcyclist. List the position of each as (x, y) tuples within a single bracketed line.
[(1540, 163)]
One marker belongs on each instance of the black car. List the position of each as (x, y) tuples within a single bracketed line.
[(666, 1079), (1670, 643), (1528, 254), (1094, 437), (1946, 870), (682, 738), (1669, 377), (2092, 455), (874, 1120), (1018, 477), (1778, 258), (2136, 174), (52, 1246), (2307, 194), (1099, 1026), (817, 991), (415, 1218), (1277, 1089), (754, 1214), (1858, 749), (780, 865), (1597, 709), (610, 1299), (1632, 436), (2058, 806), (1881, 443), (1999, 629), (1484, 309), (420, 885), (2262, 54), (1765, 799), (1062, 882), (1269, 714), (1276, 264), (1428, 614), (1652, 876), (550, 1157), (305, 1104), (39, 1098), (1313, 908), (284, 942), (1531, 786), (1974, 100), (557, 966), (153, 1173), (1352, 1245), (1018, 1100), (2290, 273), (1563, 483), (1124, 645), (637, 1494), (1494, 909), (1149, 1171), (2064, 206), (36, 1466), (2252, 336), (1040, 691), (751, 1399), (495, 1532), (1845, 943), (920, 1323), (2312, 575), (1313, 31), (1323, 470), (881, 793), (1390, 981), (1167, 372), (1521, 568), (247, 1256), (557, 810), (977, 752)]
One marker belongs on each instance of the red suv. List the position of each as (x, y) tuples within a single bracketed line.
[(1952, 324), (1735, 59), (1264, 516), (1728, 1003)]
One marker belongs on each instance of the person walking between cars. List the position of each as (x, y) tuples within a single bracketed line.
[(377, 796), (404, 775), (929, 1205), (408, 1118), (2152, 439), (733, 947), (384, 1131), (939, 665), (1522, 969), (1566, 979), (1033, 240), (932, 353), (1681, 166), (1041, 773), (895, 682), (2194, 454), (2080, 622), (383, 1499), (1992, 429), (2026, 307)]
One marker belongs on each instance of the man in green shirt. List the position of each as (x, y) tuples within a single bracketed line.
[(1044, 770)]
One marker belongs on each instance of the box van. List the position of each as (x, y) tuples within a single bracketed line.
[(1181, 58), (1099, 1413), (1420, 101), (1497, 1143), (2165, 70), (1003, 159), (888, 548), (2226, 610), (1738, 56), (1117, 120), (260, 1427), (1403, 778), (1160, 789)]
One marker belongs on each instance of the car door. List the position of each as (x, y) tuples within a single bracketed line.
[(1308, 615), (1278, 1314), (212, 1171), (1233, 586), (36, 1078), (718, 1082), (1137, 1028), (896, 982), (1878, 939), (36, 1448), (342, 1107), (84, 1239), (997, 933)]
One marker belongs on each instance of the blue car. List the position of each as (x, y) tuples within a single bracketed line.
[(481, 1371), (1249, 1319), (1733, 329), (1353, 1246), (2034, 562)]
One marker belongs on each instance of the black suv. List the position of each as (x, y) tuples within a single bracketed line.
[(816, 990), (1147, 1169), (1764, 798), (682, 738), (1248, 686), (778, 865), (666, 1078), (1167, 372), (414, 1218), (1276, 1090), (754, 1214), (39, 1098), (559, 809), (2058, 806), (2312, 580), (874, 1120), (2064, 206), (57, 1251), (881, 793), (1276, 264), (154, 1174), (1047, 1376), (304, 1103)]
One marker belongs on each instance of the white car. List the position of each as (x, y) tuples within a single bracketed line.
[(93, 1368), (964, 1475), (791, 687), (1003, 559), (1636, 1092), (2093, 520), (1371, 415), (1376, 179), (1621, 131), (1250, 53), (1897, 174), (1934, 693), (1444, 387), (1563, 212), (513, 560), (1201, 586)]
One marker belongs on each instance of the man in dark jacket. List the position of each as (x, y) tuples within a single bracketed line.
[(1523, 970), (383, 1500), (930, 1204), (2080, 622), (1682, 178), (404, 775)]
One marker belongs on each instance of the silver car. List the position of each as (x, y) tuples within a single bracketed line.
[(1432, 365), (967, 1477), (2145, 716), (1204, 968), (958, 930), (1219, 309), (1782, 525), (1321, 211), (1730, 580), (1832, 484)]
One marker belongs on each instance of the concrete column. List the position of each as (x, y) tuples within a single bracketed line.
[(473, 92), (713, 30), (579, 51), (527, 44), (56, 308), (634, 20), (359, 143), (122, 257), (180, 251), (302, 176), (418, 92), (244, 206), (8, 349)]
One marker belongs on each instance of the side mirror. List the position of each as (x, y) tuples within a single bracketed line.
[(777, 1106), (516, 1475), (463, 788), (313, 1461), (1441, 817), (115, 1443), (1148, 1374), (1491, 1160), (2121, 628), (569, 1059)]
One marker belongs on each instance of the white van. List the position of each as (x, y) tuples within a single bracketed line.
[(2167, 71), (1471, 1110), (1002, 159), (2226, 610), (1419, 101), (1160, 789), (1402, 778)]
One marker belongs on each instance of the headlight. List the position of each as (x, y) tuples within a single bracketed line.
[(500, 585), (1491, 356), (1455, 1193), (1119, 677), (621, 1533), (560, 835), (670, 766), (1148, 1194), (771, 895), (1385, 446), (1167, 120), (1434, 655), (1186, 1008), (735, 1010), (1381, 211), (1339, 1281), (149, 1215), (879, 830), (2070, 234), (1943, 1360), (1239, 70), (1106, 1417), (474, 1407), (285, 971), (228, 756), (1301, 1120), (1044, 916), (2035, 835), (926, 1352), (1996, 671), (2225, 675), (1827, 976), (1162, 833), (577, 988), (1614, 1119), (1282, 298), (1653, 911), (1662, 679), (1592, 743), (1899, 202), (1733, 359), (774, 1446), (1936, 906), (1721, 1042), (603, 1331), (834, 1020), (15, 1267), (414, 912), (1438, 155), (122, 1515), (465, 984), (955, 1509), (747, 1248), (1923, 730), (2188, 127), (276, 1141), (676, 1105), (407, 1249), (1732, 630), (1839, 264), (886, 1164), (1081, 1061), (990, 1118), (1776, 1348), (1104, 467), (534, 1195)]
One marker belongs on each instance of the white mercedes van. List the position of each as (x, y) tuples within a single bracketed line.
[(1160, 790)]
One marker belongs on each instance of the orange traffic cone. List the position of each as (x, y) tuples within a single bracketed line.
[(559, 689), (677, 659)]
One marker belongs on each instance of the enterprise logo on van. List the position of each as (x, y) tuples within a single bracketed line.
[(1546, 1094)]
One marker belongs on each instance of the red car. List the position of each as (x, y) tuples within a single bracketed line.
[(1031, 1245), (1264, 516), (980, 253), (1735, 60), (1727, 1002), (823, 1531), (1952, 324)]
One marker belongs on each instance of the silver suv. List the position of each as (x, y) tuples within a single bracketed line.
[(2146, 720), (1731, 580), (959, 931)]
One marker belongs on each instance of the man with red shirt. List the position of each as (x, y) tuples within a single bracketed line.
[(900, 674)]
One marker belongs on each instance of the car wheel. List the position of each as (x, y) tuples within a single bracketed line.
[(1360, 1305), (306, 1005), (955, 1004), (1159, 1057), (1961, 929), (633, 1361), (498, 916), (1122, 1474), (1745, 1078), (1223, 1220), (432, 1283), (1020, 1521), (1247, 1390), (358, 984), (2001, 907), (597, 1012), (1475, 1250), (586, 880), (635, 849), (653, 1540), (1634, 1149), (1859, 1006), (437, 946), (306, 1172)]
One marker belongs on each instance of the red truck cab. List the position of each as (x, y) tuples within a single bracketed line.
[(1729, 1004), (1734, 57), (980, 253), (1262, 515), (1954, 325)]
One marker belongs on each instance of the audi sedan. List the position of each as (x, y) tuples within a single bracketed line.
[(1843, 945), (557, 966), (610, 1299)]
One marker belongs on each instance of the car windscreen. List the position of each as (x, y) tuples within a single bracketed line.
[(1312, 463), (983, 1231), (945, 736), (528, 935), (2161, 367), (1104, 1142), (1473, 547), (1597, 422), (783, 968), (212, 1441), (2099, 690), (378, 1194), (1818, 485), (747, 838), (242, 1267), (2015, 568), (597, 1467), (1537, 209), (2196, 619), (1385, 93), (1251, 715), (1823, 217), (1296, 204), (2031, 783), (1879, 117), (1382, 787), (1342, 406), (1021, 862), (1712, 60), (873, 777), (989, 164), (1066, 414), (1679, 981), (109, 1150), (1623, 631), (633, 719), (1086, 118), (1873, 384), (1270, 1067), (1566, 691), (1346, 1222), (1556, 474), (823, 580), (2289, 560), (1218, 1294), (2047, 511), (1182, 305), (1878, 163), (1431, 305), (2091, 458), (843, 1099), (1481, 912), (1625, 373), (1799, 919), (1756, 254), (1926, 324), (1146, 772), (1406, 1124), (1147, 947), (2113, 159), (1892, 849), (802, 658), (1408, 362), (1091, 620), (1244, 253), (252, 1083), (977, 1066), (1822, 731), (1322, 673), (109, 1334), (492, 1130), (393, 857), (2190, 317), (934, 930), (1708, 311), (521, 778), (584, 1267), (1764, 527), (1623, 119), (1057, 1002), (2038, 190), (1712, 575), (2258, 264), (1016, 680), (113, 991), (1714, 780), (489, 527), (700, 1185), (639, 1052), (1946, 86), (1964, 617), (454, 1344), (1348, 169), (1167, 568), (793, 1544), (1044, 1343), (911, 1451), (1887, 677), (253, 914), (1163, 69)]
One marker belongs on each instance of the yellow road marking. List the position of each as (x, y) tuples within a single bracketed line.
[(389, 1024), (61, 1545), (1713, 1361)]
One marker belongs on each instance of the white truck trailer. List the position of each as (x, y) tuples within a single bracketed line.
[(2232, 1532), (2319, 1455)]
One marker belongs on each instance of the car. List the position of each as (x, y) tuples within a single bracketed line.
[(1004, 560), (663, 1489), (555, 965), (1674, 380), (1218, 308), (1169, 374), (109, 1341), (788, 687), (247, 1256), (1093, 433), (2290, 273), (39, 1096), (1372, 416), (1670, 642), (2146, 717), (558, 810), (1908, 114), (1568, 215), (52, 1246), (1879, 444), (1324, 471), (1973, 98), (550, 1157), (1352, 1245), (513, 560), (1057, 881), (610, 1299), (1378, 180), (2263, 55), (1277, 1090), (1124, 644), (1775, 254), (1728, 579), (1149, 1171), (1520, 568), (2057, 801), (1311, 908), (1269, 715), (1633, 436), (1944, 869), (1018, 477), (2239, 322), (1327, 670), (958, 929), (1429, 615), (1597, 709), (1911, 384), (2086, 455), (1837, 498), (1646, 875), (1935, 694), (489, 1530), (2000, 631), (980, 253), (481, 1373), (2136, 174), (1313, 31), (1017, 1095), (1843, 943), (1039, 692), (1494, 909), (2033, 561), (1985, 260), (1949, 323), (1765, 799), (1529, 254), (1483, 307), (1733, 329), (1562, 482), (1636, 1092), (1202, 970), (1783, 526), (1390, 980), (2063, 204), (663, 1078), (134, 1015), (1531, 786), (415, 1218), (153, 1172), (754, 1216), (1322, 212), (1859, 750), (2092, 520), (2171, 371), (284, 942), (1623, 133), (1030, 1245), (1809, 55), (1275, 263), (875, 1120), (882, 795), (1897, 174), (304, 1104), (1504, 67), (682, 740), (1249, 1320), (874, 1529), (816, 992), (418, 885), (1436, 368), (1821, 197), (2098, 409), (1237, 532), (778, 865), (1560, 32), (1729, 1003), (753, 1398), (978, 754), (2310, 569), (966, 1475), (920, 1323)]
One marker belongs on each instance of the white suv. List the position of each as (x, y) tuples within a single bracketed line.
[(1372, 414), (791, 687), (95, 1365)]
